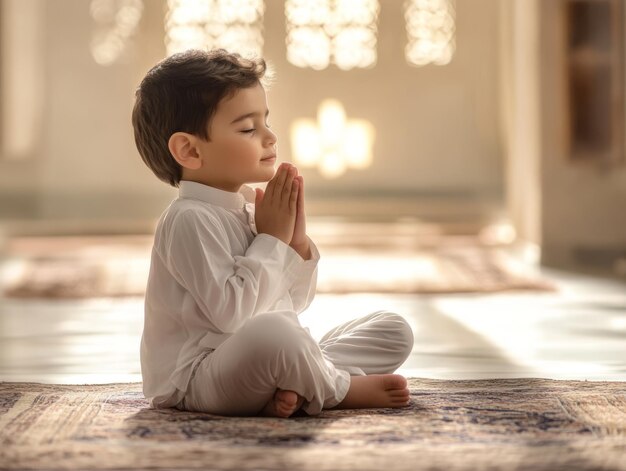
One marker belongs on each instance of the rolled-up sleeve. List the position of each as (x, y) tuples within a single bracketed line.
[(302, 291)]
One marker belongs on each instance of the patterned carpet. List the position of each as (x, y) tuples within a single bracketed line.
[(520, 424)]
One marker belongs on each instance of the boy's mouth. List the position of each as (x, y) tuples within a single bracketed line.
[(269, 158)]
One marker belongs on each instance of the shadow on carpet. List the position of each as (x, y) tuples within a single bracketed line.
[(506, 424)]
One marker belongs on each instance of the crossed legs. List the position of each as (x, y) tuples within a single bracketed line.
[(273, 367)]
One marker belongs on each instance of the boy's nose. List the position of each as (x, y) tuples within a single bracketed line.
[(271, 138)]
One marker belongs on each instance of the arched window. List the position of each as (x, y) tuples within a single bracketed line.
[(235, 25), (341, 32), (430, 26)]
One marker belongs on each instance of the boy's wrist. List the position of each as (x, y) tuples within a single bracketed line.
[(303, 248)]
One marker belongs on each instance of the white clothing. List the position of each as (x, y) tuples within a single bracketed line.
[(210, 273), (221, 332), (273, 351)]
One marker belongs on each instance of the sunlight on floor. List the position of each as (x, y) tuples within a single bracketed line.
[(574, 332)]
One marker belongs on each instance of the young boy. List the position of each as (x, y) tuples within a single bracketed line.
[(232, 268)]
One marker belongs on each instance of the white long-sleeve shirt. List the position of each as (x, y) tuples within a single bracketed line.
[(210, 272)]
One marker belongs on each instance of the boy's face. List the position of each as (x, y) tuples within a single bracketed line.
[(242, 148)]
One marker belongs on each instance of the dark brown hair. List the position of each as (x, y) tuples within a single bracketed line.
[(181, 93)]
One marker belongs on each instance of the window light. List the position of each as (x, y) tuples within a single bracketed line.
[(235, 25), (430, 26), (333, 143), (342, 32)]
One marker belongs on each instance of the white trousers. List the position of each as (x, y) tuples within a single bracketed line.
[(273, 351)]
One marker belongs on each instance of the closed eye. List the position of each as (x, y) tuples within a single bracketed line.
[(248, 130)]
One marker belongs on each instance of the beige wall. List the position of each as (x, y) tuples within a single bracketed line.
[(521, 117), (438, 129), (583, 211)]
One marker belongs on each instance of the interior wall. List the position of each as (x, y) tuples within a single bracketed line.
[(583, 213), (437, 126), (22, 98), (521, 116)]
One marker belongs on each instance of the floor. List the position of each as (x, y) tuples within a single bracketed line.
[(576, 332)]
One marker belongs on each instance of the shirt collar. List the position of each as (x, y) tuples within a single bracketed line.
[(209, 194)]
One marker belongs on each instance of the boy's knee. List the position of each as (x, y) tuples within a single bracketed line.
[(269, 322), (396, 327), (273, 332)]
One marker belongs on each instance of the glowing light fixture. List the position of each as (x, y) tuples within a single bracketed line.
[(116, 22), (430, 26), (333, 143), (321, 32), (235, 25)]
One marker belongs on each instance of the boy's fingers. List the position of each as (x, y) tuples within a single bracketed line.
[(295, 195), (280, 177), (289, 180), (272, 186), (259, 196), (269, 188), (300, 181)]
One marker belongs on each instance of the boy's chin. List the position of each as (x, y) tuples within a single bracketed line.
[(263, 179), (268, 175)]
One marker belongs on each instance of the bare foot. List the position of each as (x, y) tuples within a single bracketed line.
[(376, 391), (283, 404)]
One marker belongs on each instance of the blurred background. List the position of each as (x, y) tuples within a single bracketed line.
[(70, 68), (478, 111), (417, 124)]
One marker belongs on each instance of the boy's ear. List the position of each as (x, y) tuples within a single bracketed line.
[(183, 148)]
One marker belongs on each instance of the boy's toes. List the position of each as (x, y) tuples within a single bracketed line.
[(287, 402), (283, 404), (394, 382), (288, 398)]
